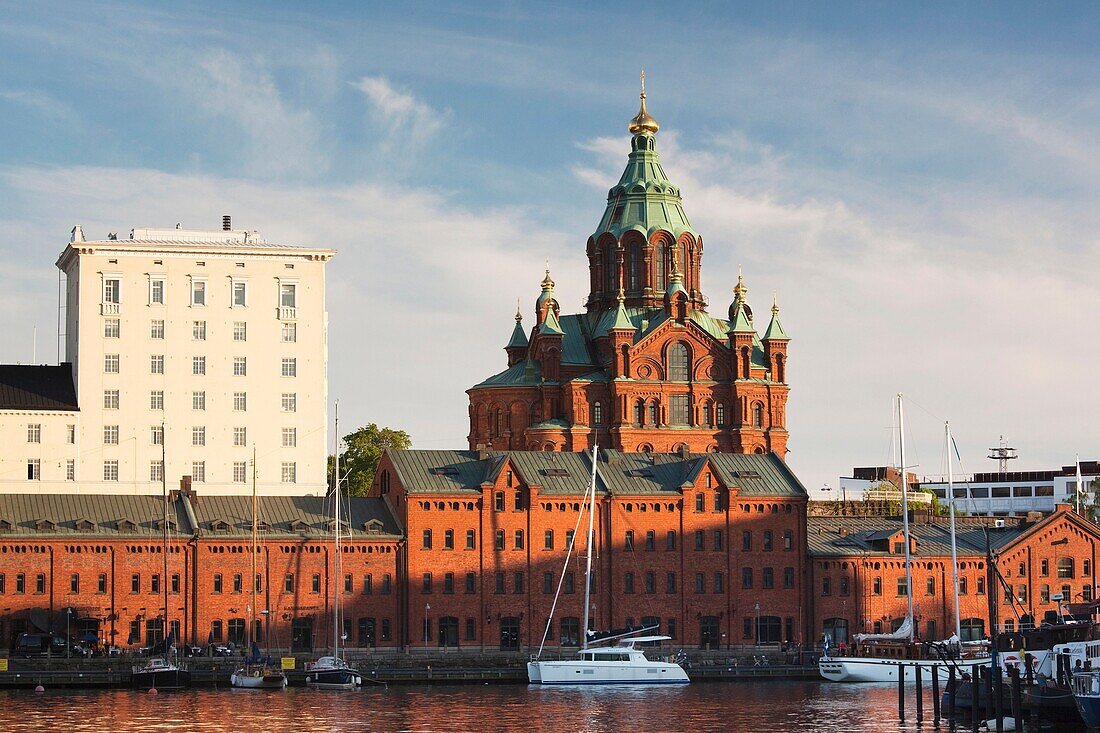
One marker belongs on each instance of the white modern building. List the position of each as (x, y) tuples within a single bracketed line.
[(185, 352), (1013, 493)]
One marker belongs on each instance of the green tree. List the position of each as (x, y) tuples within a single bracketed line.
[(364, 449), (1093, 511)]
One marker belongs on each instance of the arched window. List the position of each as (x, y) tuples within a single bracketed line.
[(720, 414), (499, 422), (597, 413), (659, 256), (837, 630), (639, 413), (973, 629), (1065, 568), (635, 268), (707, 414), (757, 415), (780, 369), (679, 363), (655, 413), (746, 364), (609, 268)]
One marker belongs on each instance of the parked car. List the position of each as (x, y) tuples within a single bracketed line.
[(39, 645)]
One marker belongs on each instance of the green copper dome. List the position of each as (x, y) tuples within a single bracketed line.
[(644, 199)]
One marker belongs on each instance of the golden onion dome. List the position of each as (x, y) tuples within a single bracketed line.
[(643, 123)]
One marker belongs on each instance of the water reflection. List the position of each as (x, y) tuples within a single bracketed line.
[(808, 707)]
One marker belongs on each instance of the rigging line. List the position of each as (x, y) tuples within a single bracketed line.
[(561, 580)]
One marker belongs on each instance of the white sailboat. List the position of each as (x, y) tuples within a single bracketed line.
[(257, 673), (623, 663), (332, 672), (162, 672), (898, 652)]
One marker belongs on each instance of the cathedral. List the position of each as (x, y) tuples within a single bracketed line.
[(645, 367)]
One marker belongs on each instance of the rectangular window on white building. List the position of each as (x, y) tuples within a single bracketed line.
[(70, 434), (156, 329), (110, 470), (156, 399), (290, 402), (290, 437), (198, 436), (240, 401), (156, 434), (198, 365), (290, 367), (34, 470), (110, 399), (240, 366), (110, 363), (156, 470), (288, 295), (240, 472), (70, 469), (112, 328), (198, 330), (198, 471), (34, 432), (156, 364), (198, 292), (198, 400), (290, 332), (110, 435), (111, 290), (240, 436), (240, 294), (240, 331), (156, 291), (290, 472)]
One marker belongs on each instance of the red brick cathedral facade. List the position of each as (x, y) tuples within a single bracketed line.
[(645, 368)]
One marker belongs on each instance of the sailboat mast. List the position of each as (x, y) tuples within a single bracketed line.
[(336, 556), (164, 549), (905, 514), (588, 562), (951, 513), (252, 580)]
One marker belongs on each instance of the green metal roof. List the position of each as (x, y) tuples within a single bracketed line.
[(775, 330), (622, 320), (644, 199), (439, 471), (841, 536), (525, 373), (295, 516), (741, 323), (550, 325), (519, 336), (757, 474), (59, 514)]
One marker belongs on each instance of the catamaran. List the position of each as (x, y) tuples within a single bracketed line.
[(898, 652), (332, 672), (623, 663), (258, 673)]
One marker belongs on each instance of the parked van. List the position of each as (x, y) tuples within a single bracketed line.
[(38, 645)]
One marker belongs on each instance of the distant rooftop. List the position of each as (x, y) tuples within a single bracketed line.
[(140, 237), (33, 387)]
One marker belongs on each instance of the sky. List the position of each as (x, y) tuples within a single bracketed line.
[(917, 182)]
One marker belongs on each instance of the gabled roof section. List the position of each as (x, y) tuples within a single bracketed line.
[(757, 474), (439, 471), (636, 474), (565, 473), (841, 536), (25, 387)]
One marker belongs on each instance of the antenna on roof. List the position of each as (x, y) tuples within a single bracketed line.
[(1002, 454)]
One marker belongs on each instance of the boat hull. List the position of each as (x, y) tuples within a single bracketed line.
[(250, 681), (604, 673), (872, 669), (334, 679), (161, 679)]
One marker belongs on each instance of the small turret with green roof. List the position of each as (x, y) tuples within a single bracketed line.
[(517, 345), (775, 330)]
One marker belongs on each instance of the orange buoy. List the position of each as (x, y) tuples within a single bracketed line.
[(153, 691)]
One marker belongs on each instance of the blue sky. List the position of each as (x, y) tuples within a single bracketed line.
[(917, 181)]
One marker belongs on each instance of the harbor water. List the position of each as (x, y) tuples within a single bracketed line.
[(807, 707)]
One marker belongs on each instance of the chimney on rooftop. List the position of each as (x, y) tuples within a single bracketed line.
[(227, 222)]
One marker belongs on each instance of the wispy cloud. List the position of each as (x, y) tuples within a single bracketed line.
[(408, 120)]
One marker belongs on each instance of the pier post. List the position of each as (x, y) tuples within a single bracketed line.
[(936, 696), (987, 688), (901, 693), (1015, 699), (997, 690), (953, 685), (975, 687), (920, 693)]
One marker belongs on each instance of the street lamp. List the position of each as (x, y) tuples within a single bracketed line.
[(427, 608), (68, 615)]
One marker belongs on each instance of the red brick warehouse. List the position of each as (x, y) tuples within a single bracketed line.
[(645, 367), (711, 547)]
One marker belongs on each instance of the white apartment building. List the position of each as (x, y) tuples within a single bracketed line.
[(189, 350)]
